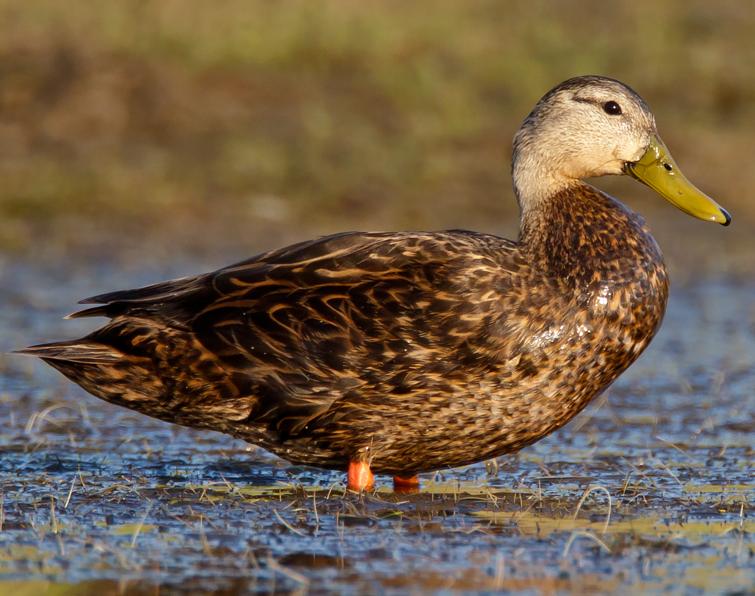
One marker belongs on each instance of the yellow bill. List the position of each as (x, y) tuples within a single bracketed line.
[(658, 170)]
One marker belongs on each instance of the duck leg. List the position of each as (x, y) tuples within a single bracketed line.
[(359, 476), (406, 485)]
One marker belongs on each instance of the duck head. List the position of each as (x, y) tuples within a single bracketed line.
[(595, 126)]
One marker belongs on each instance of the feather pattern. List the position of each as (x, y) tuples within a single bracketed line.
[(410, 351)]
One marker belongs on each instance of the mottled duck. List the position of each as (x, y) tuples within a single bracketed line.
[(406, 352)]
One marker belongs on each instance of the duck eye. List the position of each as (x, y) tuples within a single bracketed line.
[(612, 108)]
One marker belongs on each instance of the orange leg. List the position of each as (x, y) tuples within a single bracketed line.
[(406, 485), (360, 476)]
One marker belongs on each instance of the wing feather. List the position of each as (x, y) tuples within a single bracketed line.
[(311, 325)]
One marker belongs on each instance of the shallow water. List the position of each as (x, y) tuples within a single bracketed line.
[(95, 499)]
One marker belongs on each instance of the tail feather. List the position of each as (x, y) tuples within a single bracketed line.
[(138, 365), (82, 351), (159, 291), (105, 310), (172, 301)]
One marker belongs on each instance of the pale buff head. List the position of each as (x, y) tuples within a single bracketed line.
[(586, 126)]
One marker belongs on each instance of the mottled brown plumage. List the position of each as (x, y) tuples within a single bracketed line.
[(411, 351)]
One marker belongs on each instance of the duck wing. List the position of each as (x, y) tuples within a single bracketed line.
[(340, 320)]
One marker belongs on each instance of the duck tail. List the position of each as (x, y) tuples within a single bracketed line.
[(81, 351), (103, 370)]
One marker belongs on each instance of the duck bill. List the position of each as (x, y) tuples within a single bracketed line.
[(658, 170)]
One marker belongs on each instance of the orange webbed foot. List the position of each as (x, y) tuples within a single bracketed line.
[(360, 477), (406, 485)]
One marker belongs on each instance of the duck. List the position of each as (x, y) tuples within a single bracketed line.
[(400, 353)]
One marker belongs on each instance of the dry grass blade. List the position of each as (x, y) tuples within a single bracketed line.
[(588, 491), (288, 572), (70, 493), (583, 534), (139, 526), (288, 525), (314, 509), (38, 417), (675, 447), (500, 571), (203, 537), (663, 466), (54, 528)]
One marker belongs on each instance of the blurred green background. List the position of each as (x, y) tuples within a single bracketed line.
[(166, 128)]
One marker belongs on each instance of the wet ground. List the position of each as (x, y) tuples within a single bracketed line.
[(648, 490)]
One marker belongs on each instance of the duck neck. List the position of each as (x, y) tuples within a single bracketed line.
[(539, 168), (534, 184), (580, 233)]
